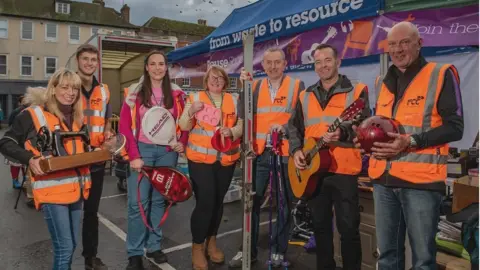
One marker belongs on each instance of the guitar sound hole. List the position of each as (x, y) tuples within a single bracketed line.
[(308, 159)]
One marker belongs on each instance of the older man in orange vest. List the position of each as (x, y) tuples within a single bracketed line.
[(97, 112), (274, 98), (409, 173)]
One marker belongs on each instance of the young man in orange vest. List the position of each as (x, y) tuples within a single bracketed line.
[(274, 98), (97, 113), (318, 107), (409, 173)]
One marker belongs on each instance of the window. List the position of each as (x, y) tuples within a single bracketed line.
[(51, 30), (3, 29), (27, 30), (74, 33), (50, 66), (26, 65), (95, 30), (63, 8), (232, 83), (186, 82), (3, 64)]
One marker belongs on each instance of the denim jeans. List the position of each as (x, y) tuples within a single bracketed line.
[(281, 229), (138, 235), (63, 222), (400, 210)]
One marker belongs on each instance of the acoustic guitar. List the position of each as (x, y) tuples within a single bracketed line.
[(317, 156)]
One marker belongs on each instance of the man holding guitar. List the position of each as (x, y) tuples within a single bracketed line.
[(274, 98), (318, 115)]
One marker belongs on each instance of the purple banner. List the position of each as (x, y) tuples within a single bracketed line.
[(353, 39)]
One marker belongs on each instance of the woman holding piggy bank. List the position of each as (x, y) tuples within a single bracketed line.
[(211, 116)]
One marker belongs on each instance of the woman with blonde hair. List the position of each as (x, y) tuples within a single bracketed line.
[(211, 171), (59, 195)]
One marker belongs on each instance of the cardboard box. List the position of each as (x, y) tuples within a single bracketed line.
[(465, 192)]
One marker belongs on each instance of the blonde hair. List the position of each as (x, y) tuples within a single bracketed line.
[(73, 80), (217, 70)]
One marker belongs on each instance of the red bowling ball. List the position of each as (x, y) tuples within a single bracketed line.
[(374, 129)]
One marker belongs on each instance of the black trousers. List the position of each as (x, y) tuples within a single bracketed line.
[(90, 218), (341, 192), (210, 184)]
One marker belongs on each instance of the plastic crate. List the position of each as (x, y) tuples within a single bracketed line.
[(234, 194)]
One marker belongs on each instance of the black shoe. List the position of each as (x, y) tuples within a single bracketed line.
[(135, 263), (158, 257), (30, 203), (94, 263)]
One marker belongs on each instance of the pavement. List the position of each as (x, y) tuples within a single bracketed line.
[(26, 245)]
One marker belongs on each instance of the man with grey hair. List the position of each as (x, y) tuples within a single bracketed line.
[(408, 173), (274, 99)]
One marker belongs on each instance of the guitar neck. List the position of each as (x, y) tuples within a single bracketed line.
[(321, 143)]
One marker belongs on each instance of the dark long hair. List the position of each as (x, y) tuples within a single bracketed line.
[(145, 93)]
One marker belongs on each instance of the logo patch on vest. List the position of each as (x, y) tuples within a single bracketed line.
[(415, 101), (279, 100), (95, 102), (230, 115)]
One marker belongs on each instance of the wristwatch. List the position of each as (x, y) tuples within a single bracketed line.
[(413, 143)]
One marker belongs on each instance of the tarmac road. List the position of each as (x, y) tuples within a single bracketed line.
[(25, 242)]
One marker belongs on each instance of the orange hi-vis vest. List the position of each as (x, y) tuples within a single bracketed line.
[(345, 158), (417, 112), (278, 112), (199, 148), (62, 187), (94, 110), (133, 112)]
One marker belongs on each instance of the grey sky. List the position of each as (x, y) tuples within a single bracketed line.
[(214, 11)]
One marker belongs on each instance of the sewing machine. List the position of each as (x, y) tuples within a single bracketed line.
[(50, 144)]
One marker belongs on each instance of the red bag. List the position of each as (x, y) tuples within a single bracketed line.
[(216, 142), (168, 181)]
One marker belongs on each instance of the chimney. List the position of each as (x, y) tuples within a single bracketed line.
[(99, 2), (202, 22), (125, 11)]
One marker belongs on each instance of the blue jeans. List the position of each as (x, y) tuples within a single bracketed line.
[(138, 235), (401, 209), (63, 221)]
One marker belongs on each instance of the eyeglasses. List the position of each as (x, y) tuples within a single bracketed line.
[(403, 43), (217, 79), (67, 89)]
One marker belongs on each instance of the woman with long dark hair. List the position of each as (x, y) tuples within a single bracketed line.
[(154, 89)]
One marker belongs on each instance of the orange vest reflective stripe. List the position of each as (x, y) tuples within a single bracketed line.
[(62, 187), (94, 110), (199, 148), (417, 112), (133, 113), (277, 112), (345, 158)]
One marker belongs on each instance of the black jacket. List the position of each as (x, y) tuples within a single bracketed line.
[(296, 124)]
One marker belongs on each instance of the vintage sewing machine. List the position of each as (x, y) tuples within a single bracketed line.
[(50, 144)]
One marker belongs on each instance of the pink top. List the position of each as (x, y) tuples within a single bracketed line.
[(125, 123), (157, 99)]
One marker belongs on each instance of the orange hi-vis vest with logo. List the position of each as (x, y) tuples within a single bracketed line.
[(199, 147), (416, 112), (62, 187), (278, 112), (94, 110), (345, 158)]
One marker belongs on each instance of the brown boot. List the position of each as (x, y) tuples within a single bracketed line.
[(199, 262), (215, 254)]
